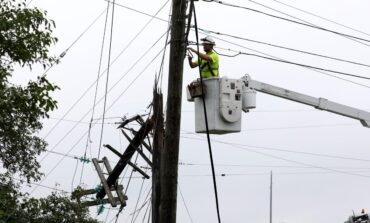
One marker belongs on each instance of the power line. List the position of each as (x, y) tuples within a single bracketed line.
[(288, 20), (293, 161), (140, 12), (294, 63), (186, 206), (294, 17), (58, 163), (75, 41), (251, 165), (286, 48), (282, 150), (107, 80), (350, 81), (323, 18), (100, 75), (88, 138), (270, 166), (116, 83), (318, 71)]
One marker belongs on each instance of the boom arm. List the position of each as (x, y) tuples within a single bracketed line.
[(319, 103)]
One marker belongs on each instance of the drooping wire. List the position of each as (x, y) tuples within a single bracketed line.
[(107, 80), (206, 121), (294, 63), (289, 20), (88, 139), (286, 48)]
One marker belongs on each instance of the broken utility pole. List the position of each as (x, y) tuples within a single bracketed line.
[(170, 153), (157, 149)]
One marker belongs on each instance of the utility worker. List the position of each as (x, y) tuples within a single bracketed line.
[(208, 60)]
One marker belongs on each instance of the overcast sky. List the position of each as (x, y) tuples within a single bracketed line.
[(320, 161)]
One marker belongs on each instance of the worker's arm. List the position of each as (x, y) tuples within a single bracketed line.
[(191, 63), (201, 55)]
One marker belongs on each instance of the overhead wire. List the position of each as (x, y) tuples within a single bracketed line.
[(321, 17), (271, 166), (264, 166), (287, 48), (206, 120), (318, 71), (88, 138), (100, 75), (294, 63), (186, 206), (294, 17), (284, 150), (74, 42), (350, 81), (160, 73), (78, 141), (116, 83), (106, 81), (288, 20), (292, 161)]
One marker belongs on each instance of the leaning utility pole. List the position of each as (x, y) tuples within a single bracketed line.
[(170, 154)]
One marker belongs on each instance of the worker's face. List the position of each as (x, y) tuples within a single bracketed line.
[(207, 47)]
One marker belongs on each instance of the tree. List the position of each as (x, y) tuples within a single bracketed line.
[(56, 208), (25, 38)]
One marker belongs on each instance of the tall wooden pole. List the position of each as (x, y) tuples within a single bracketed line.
[(170, 153), (271, 197), (157, 149)]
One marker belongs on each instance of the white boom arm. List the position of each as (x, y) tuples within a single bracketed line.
[(319, 103)]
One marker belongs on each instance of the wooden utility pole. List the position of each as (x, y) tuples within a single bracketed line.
[(157, 149), (271, 197), (170, 153)]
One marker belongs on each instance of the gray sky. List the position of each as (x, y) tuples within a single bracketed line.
[(276, 136)]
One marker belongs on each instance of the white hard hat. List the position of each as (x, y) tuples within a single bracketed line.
[(208, 40)]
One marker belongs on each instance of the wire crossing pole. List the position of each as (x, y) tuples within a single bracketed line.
[(170, 153)]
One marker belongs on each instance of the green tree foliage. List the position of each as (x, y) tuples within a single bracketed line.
[(25, 38), (56, 208)]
